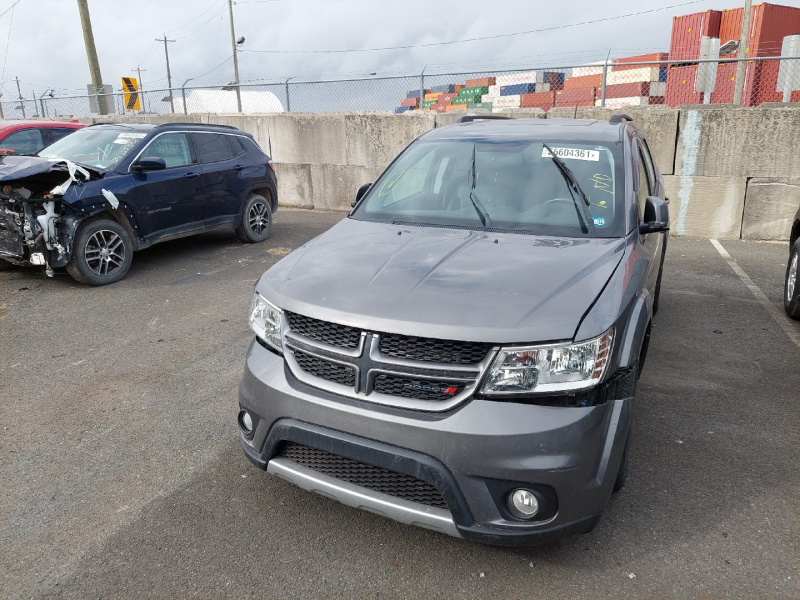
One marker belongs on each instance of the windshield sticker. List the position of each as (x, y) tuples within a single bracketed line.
[(599, 221), (603, 183), (575, 153), (133, 136)]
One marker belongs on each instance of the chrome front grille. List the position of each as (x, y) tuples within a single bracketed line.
[(385, 368)]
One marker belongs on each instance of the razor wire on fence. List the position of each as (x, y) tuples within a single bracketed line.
[(612, 84)]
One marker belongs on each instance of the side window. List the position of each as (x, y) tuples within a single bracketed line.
[(25, 141), (649, 165), (236, 144), (172, 147), (212, 147), (59, 132), (643, 189)]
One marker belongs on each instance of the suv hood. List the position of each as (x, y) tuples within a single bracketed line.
[(445, 283)]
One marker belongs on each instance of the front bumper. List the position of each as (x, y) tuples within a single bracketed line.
[(472, 454)]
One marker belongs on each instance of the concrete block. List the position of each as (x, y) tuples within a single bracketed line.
[(375, 139), (257, 125), (294, 185), (746, 142), (769, 207), (444, 119), (303, 138), (706, 207), (660, 126), (334, 187)]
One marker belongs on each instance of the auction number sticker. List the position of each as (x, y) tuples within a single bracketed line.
[(576, 153)]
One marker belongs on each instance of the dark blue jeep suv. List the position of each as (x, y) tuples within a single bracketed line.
[(91, 199)]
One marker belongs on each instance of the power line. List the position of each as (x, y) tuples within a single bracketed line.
[(180, 36), (478, 39), (8, 41), (10, 7), (185, 25)]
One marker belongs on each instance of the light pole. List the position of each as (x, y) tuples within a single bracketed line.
[(234, 44), (41, 101)]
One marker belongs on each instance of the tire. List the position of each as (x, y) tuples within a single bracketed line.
[(256, 220), (5, 265), (101, 253), (657, 292), (622, 474), (791, 288)]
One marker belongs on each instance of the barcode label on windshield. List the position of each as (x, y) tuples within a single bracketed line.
[(576, 153)]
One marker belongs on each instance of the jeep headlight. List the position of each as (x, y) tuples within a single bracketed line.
[(265, 321), (552, 368)]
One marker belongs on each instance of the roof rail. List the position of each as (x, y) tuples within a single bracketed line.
[(619, 118), (471, 118), (196, 125)]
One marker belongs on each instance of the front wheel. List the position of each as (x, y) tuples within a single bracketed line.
[(256, 220), (791, 290), (101, 254)]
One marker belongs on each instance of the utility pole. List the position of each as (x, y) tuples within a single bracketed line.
[(21, 100), (91, 55), (740, 66), (169, 75), (235, 60), (141, 85)]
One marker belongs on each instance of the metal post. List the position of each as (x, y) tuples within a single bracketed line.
[(740, 66), (141, 86), (33, 95), (169, 75), (605, 76), (235, 59), (21, 101), (183, 93), (91, 55), (286, 86), (422, 86)]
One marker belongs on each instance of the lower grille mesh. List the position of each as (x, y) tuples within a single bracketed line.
[(371, 477)]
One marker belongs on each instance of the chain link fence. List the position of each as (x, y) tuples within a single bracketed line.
[(613, 84)]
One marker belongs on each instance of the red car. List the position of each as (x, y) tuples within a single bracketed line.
[(28, 137)]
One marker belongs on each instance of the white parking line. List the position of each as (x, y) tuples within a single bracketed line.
[(778, 316)]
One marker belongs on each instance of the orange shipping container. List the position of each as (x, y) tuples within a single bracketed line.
[(450, 107), (769, 24), (435, 96), (482, 82), (585, 81), (688, 30), (619, 63), (542, 100)]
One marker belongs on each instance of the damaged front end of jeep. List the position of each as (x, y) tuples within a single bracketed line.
[(37, 219)]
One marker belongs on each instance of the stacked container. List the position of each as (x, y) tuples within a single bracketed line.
[(688, 30)]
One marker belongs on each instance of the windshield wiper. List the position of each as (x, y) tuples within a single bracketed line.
[(486, 220), (572, 184)]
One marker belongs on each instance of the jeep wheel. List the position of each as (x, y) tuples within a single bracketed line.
[(256, 220), (791, 290), (101, 253)]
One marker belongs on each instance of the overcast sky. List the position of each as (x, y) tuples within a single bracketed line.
[(43, 44)]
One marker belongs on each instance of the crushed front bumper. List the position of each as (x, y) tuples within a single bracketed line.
[(472, 455)]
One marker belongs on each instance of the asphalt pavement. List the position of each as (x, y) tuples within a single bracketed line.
[(121, 474)]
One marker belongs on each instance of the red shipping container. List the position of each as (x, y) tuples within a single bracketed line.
[(795, 96), (576, 95), (482, 82), (409, 102), (656, 100), (543, 100), (627, 90), (725, 84), (769, 24), (680, 86), (619, 63), (688, 30), (585, 81), (761, 82), (730, 25), (563, 104), (447, 98)]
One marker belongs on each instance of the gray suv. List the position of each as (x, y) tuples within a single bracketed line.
[(461, 353)]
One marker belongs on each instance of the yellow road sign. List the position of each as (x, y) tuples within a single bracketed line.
[(131, 89)]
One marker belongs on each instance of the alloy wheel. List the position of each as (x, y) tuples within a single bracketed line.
[(104, 252)]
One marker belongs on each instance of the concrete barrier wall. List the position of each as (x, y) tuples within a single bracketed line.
[(729, 172)]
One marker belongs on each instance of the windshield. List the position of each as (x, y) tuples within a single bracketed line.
[(516, 182), (96, 147)]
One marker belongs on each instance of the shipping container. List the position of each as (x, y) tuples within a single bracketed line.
[(543, 100), (410, 101), (474, 90), (730, 26), (433, 96), (415, 93), (659, 100), (583, 81), (506, 102), (619, 64), (769, 24), (522, 77), (586, 71), (636, 75), (449, 88), (553, 77), (576, 95), (450, 107), (446, 98), (401, 109), (620, 102), (725, 84), (658, 88), (467, 98), (628, 90), (428, 103), (481, 105), (481, 82), (687, 32), (680, 86), (577, 103), (518, 88)]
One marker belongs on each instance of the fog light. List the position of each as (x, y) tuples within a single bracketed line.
[(246, 422), (523, 504)]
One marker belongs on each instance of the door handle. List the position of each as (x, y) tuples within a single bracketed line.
[(191, 175), (238, 167)]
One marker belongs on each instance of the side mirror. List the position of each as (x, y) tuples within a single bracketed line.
[(149, 163), (656, 216), (360, 193)]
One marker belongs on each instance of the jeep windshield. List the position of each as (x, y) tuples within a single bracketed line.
[(95, 146), (515, 183)]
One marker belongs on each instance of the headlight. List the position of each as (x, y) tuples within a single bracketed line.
[(265, 321), (557, 368)]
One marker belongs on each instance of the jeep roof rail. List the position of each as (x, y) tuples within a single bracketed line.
[(196, 125), (471, 118), (619, 118)]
